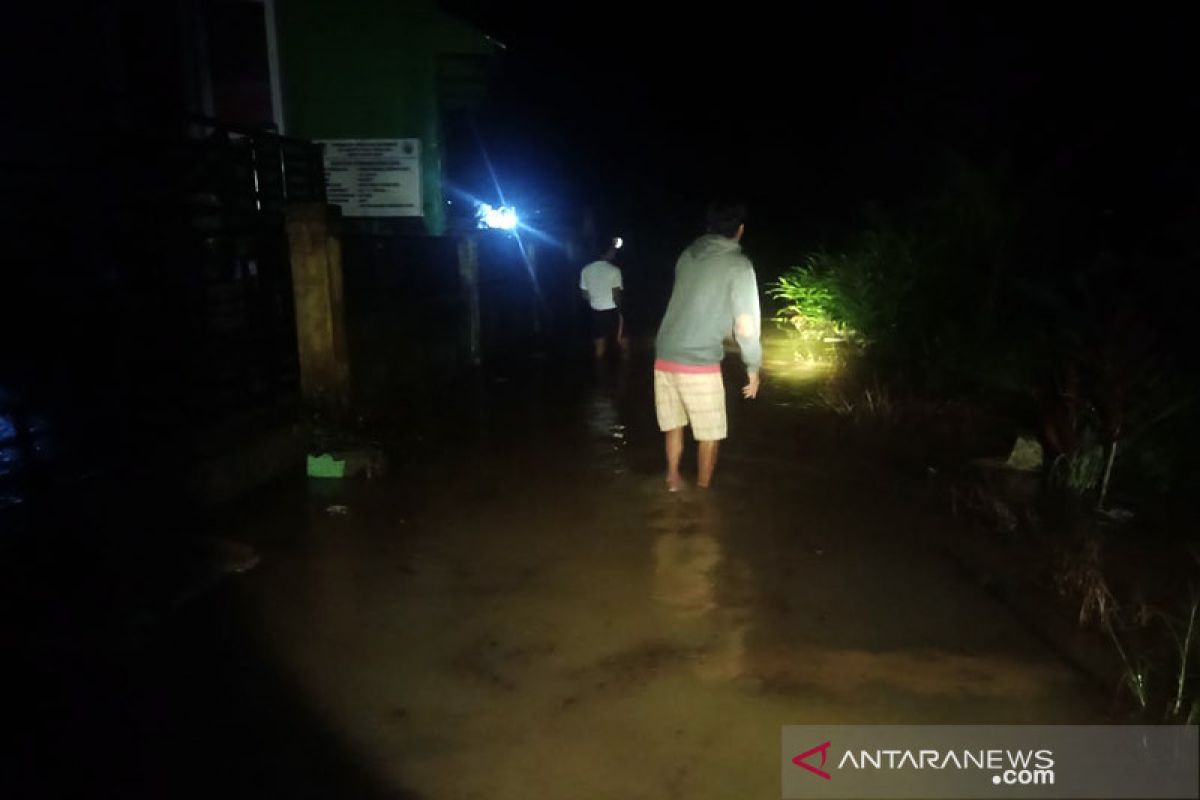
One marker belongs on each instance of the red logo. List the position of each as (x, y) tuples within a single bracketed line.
[(823, 749)]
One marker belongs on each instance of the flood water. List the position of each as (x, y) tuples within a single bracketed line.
[(519, 610)]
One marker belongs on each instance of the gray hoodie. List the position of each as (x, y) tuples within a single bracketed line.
[(714, 284)]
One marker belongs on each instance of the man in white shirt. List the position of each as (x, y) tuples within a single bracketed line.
[(600, 283)]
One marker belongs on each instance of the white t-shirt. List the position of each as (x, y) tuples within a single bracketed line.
[(598, 279)]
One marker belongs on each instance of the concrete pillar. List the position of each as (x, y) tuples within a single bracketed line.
[(468, 282), (316, 257)]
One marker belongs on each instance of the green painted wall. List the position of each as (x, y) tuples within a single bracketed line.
[(366, 69)]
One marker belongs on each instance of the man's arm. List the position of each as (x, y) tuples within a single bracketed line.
[(747, 326)]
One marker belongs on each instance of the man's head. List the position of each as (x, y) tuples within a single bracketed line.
[(610, 253), (727, 218)]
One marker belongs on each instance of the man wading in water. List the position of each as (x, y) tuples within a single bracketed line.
[(715, 292)]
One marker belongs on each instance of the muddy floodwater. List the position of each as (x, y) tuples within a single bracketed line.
[(518, 609), (536, 617)]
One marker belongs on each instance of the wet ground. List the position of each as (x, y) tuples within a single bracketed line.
[(519, 610)]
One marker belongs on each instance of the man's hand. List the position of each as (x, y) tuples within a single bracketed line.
[(751, 389)]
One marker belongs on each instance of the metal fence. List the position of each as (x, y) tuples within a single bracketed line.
[(146, 305)]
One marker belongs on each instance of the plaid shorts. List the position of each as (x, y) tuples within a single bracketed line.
[(681, 398)]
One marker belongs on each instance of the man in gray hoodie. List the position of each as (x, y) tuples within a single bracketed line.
[(715, 294)]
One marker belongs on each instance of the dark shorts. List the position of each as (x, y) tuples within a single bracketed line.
[(604, 323)]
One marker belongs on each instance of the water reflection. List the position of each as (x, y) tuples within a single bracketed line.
[(690, 565), (606, 415)]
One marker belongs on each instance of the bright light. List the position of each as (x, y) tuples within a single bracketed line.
[(503, 217), (617, 242)]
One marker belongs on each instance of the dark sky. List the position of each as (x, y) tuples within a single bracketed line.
[(815, 112)]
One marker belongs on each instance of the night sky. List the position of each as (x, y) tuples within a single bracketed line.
[(819, 113)]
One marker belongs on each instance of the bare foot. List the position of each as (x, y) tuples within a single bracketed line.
[(674, 483)]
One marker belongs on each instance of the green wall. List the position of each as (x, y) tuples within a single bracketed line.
[(362, 69)]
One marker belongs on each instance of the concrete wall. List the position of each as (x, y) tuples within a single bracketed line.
[(367, 69)]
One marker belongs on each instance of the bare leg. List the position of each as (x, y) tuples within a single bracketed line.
[(674, 439), (708, 462)]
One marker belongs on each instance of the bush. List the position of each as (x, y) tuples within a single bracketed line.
[(864, 296)]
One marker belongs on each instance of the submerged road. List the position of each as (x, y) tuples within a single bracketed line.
[(519, 610), (536, 617)]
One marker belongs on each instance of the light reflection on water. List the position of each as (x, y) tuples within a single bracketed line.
[(38, 436), (784, 361), (10, 455)]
